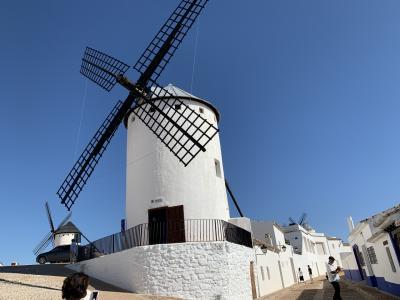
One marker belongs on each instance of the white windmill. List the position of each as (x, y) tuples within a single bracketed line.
[(61, 235)]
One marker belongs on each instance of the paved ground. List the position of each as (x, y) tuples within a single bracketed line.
[(321, 289), (45, 282)]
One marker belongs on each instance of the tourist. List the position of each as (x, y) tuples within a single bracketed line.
[(310, 272), (75, 286), (73, 253), (333, 277), (301, 276)]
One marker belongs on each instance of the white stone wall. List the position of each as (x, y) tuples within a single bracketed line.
[(187, 270)]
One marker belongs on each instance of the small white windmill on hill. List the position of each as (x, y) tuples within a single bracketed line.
[(60, 236)]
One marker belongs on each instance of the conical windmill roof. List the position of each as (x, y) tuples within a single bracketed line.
[(182, 94), (174, 90), (68, 228)]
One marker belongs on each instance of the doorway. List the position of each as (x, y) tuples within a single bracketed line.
[(166, 225)]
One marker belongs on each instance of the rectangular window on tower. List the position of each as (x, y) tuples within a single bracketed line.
[(217, 168)]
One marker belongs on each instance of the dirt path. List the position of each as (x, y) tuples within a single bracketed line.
[(45, 282)]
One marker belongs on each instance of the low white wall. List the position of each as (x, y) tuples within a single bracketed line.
[(188, 270), (267, 263)]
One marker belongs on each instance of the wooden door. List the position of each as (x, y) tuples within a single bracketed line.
[(175, 224), (157, 225)]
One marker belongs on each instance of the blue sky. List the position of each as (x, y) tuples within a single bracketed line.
[(308, 93)]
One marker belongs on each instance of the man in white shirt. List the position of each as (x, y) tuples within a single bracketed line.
[(333, 277)]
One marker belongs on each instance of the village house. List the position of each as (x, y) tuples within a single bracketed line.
[(375, 244)]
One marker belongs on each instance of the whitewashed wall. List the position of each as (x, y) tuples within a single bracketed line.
[(359, 237), (349, 265), (267, 263), (63, 239), (334, 247), (188, 270), (156, 178), (383, 268)]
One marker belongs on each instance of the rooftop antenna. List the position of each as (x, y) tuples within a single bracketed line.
[(183, 131)]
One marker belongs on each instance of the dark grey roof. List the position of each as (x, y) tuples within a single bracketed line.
[(68, 228)]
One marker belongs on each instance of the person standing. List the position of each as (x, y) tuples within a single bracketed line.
[(310, 272), (73, 253), (333, 277), (301, 276)]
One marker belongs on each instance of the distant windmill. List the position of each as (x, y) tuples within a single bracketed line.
[(50, 237), (182, 130), (302, 221)]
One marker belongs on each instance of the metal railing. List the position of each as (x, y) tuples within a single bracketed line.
[(174, 231)]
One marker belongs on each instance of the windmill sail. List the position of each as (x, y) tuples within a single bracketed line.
[(163, 46), (43, 243), (184, 132), (102, 68), (84, 166), (49, 217)]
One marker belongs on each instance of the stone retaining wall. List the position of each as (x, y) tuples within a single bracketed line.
[(207, 270)]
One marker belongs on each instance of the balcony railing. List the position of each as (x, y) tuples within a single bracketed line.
[(175, 231)]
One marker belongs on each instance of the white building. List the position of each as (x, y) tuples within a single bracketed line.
[(375, 243), (281, 251)]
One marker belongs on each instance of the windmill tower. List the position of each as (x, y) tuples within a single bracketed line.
[(174, 175), (159, 187)]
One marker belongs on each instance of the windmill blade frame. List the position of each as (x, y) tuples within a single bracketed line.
[(43, 243), (84, 166), (101, 68), (302, 219), (182, 130), (151, 64), (50, 219), (65, 220)]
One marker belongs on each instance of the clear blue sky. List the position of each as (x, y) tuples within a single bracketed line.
[(308, 92)]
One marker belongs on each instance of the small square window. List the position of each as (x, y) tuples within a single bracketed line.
[(178, 106), (217, 168), (201, 110), (152, 109)]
